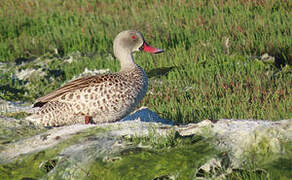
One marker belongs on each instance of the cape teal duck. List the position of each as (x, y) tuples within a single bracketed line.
[(99, 98)]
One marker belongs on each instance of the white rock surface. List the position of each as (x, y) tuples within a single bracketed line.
[(242, 137)]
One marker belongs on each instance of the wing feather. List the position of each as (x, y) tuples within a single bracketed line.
[(69, 87)]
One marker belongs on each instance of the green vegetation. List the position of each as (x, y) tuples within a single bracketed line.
[(209, 69), (13, 130), (180, 162), (159, 142)]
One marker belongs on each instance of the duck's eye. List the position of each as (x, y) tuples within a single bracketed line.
[(133, 37)]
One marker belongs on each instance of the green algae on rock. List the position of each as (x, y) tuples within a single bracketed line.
[(12, 130), (145, 146)]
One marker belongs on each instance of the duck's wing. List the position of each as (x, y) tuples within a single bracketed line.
[(70, 87)]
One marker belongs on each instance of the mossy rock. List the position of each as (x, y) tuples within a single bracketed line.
[(144, 146)]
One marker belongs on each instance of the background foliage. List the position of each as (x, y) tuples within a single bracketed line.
[(211, 68)]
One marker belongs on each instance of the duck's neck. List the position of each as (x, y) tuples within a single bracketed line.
[(126, 60)]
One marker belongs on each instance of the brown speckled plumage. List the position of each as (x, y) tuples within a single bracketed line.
[(105, 98)]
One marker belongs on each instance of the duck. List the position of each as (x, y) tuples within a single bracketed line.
[(99, 98)]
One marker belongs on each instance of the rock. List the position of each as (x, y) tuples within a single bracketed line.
[(213, 169), (72, 147), (244, 138), (87, 72), (11, 107), (54, 136), (267, 58), (25, 74), (143, 145)]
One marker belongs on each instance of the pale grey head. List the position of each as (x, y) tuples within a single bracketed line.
[(127, 42)]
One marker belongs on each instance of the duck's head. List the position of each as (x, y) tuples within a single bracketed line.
[(130, 41)]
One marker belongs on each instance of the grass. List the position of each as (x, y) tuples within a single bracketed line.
[(208, 71)]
